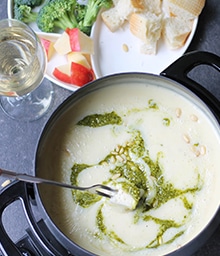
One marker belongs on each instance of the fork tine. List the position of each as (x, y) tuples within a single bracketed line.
[(102, 190), (104, 187), (102, 194)]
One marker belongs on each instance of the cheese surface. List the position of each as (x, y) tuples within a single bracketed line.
[(159, 146)]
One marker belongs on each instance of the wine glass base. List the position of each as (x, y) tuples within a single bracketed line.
[(29, 107)]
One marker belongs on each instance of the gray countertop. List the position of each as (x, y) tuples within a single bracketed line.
[(18, 140)]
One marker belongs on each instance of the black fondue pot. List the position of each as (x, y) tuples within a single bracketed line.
[(44, 237)]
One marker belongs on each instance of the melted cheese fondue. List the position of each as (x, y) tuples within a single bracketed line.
[(152, 142)]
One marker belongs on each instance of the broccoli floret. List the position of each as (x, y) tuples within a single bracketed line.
[(70, 14), (92, 9), (59, 14), (31, 3), (79, 12), (24, 13)]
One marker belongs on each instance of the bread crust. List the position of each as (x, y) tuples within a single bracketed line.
[(138, 4), (147, 27), (193, 7)]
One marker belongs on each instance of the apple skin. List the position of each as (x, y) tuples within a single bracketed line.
[(78, 58), (80, 42), (74, 73), (73, 40), (49, 47), (63, 73), (80, 75)]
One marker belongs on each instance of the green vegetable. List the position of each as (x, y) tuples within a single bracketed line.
[(57, 14), (60, 14), (69, 14), (31, 3), (24, 13), (92, 10)]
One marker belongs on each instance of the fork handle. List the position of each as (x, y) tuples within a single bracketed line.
[(7, 173), (33, 179)]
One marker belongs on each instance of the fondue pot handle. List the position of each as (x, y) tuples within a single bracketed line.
[(36, 244), (180, 69)]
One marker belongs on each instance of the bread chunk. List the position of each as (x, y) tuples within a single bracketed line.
[(154, 6), (176, 31), (115, 17), (112, 19), (185, 9), (147, 27), (149, 48)]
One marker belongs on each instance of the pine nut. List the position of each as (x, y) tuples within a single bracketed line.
[(112, 160), (104, 163), (124, 157), (115, 176), (155, 203), (195, 151), (126, 152), (203, 150), (194, 118), (119, 158), (125, 48), (160, 240), (121, 150), (178, 112), (186, 138), (117, 148)]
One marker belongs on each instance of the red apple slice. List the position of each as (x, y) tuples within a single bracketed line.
[(48, 46), (80, 42), (63, 73), (80, 75)]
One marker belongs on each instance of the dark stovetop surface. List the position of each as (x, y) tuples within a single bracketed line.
[(18, 140)]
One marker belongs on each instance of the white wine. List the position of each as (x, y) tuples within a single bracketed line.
[(22, 61), (22, 68)]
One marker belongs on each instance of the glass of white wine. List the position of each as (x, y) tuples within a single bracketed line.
[(22, 68)]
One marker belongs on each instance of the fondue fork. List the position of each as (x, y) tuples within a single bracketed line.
[(98, 189)]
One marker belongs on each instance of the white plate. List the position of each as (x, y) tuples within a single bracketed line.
[(110, 58)]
